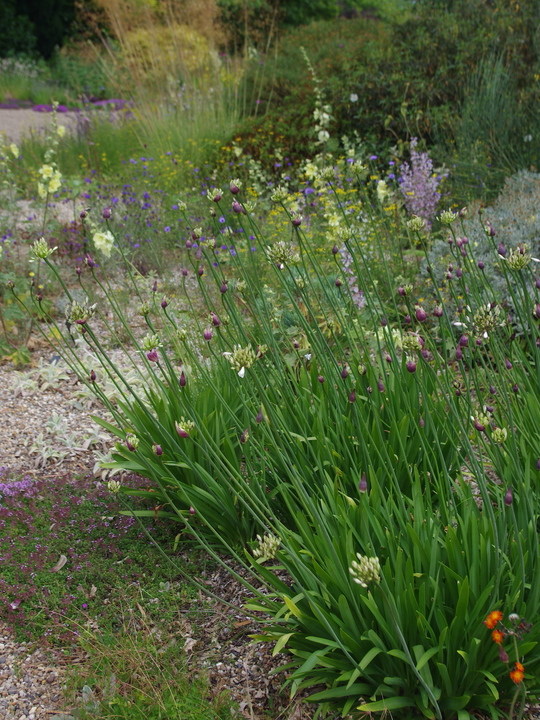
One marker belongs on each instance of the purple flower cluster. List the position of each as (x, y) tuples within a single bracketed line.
[(357, 295), (418, 184)]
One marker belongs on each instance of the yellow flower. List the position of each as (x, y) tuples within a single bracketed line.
[(104, 241), (46, 171), (42, 192), (14, 150), (61, 131)]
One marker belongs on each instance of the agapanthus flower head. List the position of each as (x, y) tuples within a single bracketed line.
[(366, 570)]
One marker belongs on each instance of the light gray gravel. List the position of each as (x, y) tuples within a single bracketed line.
[(17, 123)]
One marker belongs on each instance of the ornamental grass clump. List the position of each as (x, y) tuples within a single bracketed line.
[(306, 436)]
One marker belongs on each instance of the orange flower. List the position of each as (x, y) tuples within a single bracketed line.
[(517, 676), (497, 636), (519, 666), (492, 619)]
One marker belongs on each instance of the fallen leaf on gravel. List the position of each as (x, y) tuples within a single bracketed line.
[(62, 560)]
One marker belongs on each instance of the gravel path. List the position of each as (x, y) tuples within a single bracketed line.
[(17, 123)]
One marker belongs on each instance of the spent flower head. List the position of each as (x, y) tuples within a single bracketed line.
[(282, 253), (267, 548), (241, 358), (79, 313), (184, 427), (518, 258), (41, 249), (150, 342)]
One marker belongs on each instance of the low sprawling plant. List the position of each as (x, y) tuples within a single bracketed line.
[(376, 445)]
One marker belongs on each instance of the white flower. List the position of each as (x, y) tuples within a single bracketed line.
[(323, 136), (353, 97), (104, 241), (46, 171), (42, 190)]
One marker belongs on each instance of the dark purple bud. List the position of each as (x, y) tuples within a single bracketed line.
[(369, 389), (536, 311), (458, 392), (489, 409), (384, 322), (164, 303), (501, 250), (216, 322), (438, 311), (82, 214), (200, 271), (338, 282), (459, 272), (508, 498), (207, 334), (189, 244), (428, 269), (352, 396), (503, 655), (459, 353), (515, 388), (380, 386), (464, 253), (401, 291), (195, 235), (296, 345), (260, 417), (362, 485), (152, 356), (481, 265), (88, 260), (78, 270), (237, 208), (362, 369), (491, 231), (478, 342), (191, 510), (538, 464), (425, 354), (407, 320), (478, 426), (345, 373), (448, 275), (217, 197), (234, 188), (129, 446), (39, 296), (492, 390), (320, 379), (296, 221), (154, 286), (335, 250), (184, 272), (182, 381), (463, 341), (92, 377), (421, 314), (421, 422), (451, 267), (158, 450), (223, 288), (508, 364), (411, 366), (198, 254), (388, 358), (537, 283), (107, 212), (244, 437)]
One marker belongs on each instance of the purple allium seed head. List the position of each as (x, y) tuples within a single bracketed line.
[(260, 417), (320, 379), (233, 187), (191, 510), (189, 244), (380, 386), (184, 272), (216, 322), (501, 250), (182, 381), (223, 288), (107, 212), (237, 208), (421, 314), (200, 271), (164, 303), (463, 341), (508, 497), (459, 353), (335, 250), (352, 396), (152, 356), (92, 377), (508, 364), (157, 450), (481, 265), (345, 373), (362, 485), (411, 366), (207, 334), (438, 311)]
